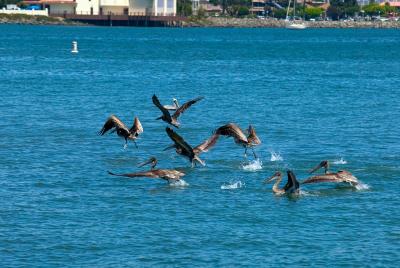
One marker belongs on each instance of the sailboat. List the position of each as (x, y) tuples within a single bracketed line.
[(293, 24)]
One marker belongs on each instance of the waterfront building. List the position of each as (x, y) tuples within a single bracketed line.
[(108, 7)]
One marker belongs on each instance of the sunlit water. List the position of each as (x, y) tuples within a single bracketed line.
[(311, 95)]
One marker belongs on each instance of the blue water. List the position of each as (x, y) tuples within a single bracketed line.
[(311, 95)]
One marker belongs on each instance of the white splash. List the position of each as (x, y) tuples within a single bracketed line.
[(232, 185), (275, 157), (340, 161), (362, 186), (253, 165), (178, 183)]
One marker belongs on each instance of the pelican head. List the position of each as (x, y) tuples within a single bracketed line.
[(324, 164), (276, 176), (176, 102)]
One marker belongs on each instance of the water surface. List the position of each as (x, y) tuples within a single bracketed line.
[(311, 95)]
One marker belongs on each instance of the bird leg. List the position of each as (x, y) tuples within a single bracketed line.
[(126, 144), (245, 152), (135, 144), (254, 153)]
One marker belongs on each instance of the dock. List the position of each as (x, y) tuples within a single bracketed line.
[(139, 20)]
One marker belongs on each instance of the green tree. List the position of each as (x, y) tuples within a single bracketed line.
[(184, 7), (342, 8)]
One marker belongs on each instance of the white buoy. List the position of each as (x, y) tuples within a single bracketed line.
[(74, 47)]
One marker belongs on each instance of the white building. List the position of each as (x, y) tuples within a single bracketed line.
[(109, 7)]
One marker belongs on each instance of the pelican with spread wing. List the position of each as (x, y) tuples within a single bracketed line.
[(234, 131), (335, 177), (292, 186), (183, 148), (173, 119), (122, 130)]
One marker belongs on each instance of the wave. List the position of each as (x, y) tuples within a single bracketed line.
[(253, 165), (232, 185), (275, 157), (362, 186), (178, 183), (340, 161)]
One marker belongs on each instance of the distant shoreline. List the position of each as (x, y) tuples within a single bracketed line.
[(272, 23), (211, 22)]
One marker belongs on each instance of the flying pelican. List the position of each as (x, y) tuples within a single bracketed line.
[(292, 186), (152, 161), (336, 177), (170, 175), (173, 119), (232, 130), (122, 130), (174, 106), (183, 148)]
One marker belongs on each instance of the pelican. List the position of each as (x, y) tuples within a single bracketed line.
[(152, 161), (173, 119), (122, 129), (170, 175), (232, 130), (183, 148), (292, 186), (336, 177), (174, 106)]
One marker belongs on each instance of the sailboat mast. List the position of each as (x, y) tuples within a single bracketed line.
[(287, 11), (294, 10)]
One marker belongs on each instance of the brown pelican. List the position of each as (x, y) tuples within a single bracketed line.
[(122, 130), (173, 119), (174, 106), (337, 177), (169, 175), (183, 148), (292, 186), (152, 161), (232, 130)]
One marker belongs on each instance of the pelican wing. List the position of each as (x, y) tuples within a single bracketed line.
[(232, 130), (292, 185), (322, 178), (207, 144), (137, 127), (113, 122), (185, 106), (252, 137), (179, 141), (163, 110)]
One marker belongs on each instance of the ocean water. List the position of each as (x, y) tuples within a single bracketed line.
[(311, 95)]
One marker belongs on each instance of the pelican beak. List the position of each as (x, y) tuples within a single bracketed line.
[(147, 162), (320, 165), (268, 180)]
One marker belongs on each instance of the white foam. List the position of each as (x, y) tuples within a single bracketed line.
[(362, 186), (253, 165), (340, 161), (232, 185), (178, 183), (275, 157)]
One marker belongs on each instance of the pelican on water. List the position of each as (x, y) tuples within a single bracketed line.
[(122, 130), (292, 186), (232, 130), (170, 175), (173, 119), (152, 161), (174, 106), (183, 148), (336, 177)]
